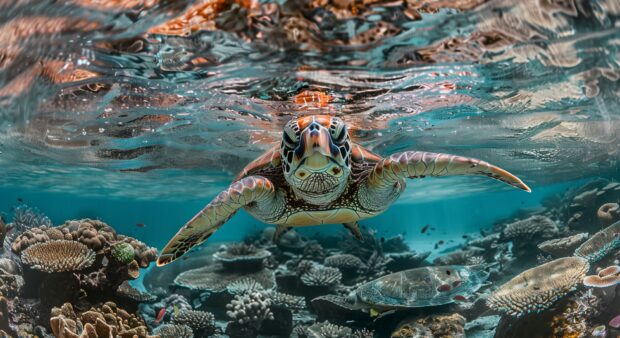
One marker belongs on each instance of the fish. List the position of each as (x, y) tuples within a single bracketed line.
[(175, 310), (425, 228), (19, 199), (140, 225), (460, 298), (382, 239), (160, 315)]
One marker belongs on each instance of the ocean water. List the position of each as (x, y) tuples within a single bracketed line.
[(138, 113)]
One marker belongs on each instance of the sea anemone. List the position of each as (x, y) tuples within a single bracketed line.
[(536, 289)]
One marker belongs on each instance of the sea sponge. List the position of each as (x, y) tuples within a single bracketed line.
[(250, 309), (174, 331), (125, 290), (534, 227), (242, 256), (608, 213), (346, 263), (202, 323), (58, 256), (215, 279), (608, 276), (536, 289), (561, 247), (600, 244), (122, 252), (321, 276)]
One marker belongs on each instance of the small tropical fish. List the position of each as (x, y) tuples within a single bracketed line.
[(382, 239), (374, 313), (19, 199), (444, 287), (460, 298), (140, 225), (425, 228), (160, 315), (175, 310)]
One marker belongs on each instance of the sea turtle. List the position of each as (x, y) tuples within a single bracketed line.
[(318, 175), (420, 287)]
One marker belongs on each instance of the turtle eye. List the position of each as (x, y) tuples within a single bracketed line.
[(290, 136), (338, 132)]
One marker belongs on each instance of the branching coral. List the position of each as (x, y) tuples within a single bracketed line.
[(244, 286), (250, 309), (321, 276), (329, 330), (25, 217), (536, 289), (202, 323), (58, 256), (346, 263), (174, 331), (288, 301)]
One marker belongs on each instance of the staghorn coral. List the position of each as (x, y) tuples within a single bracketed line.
[(321, 276), (346, 263), (244, 286), (127, 291), (202, 323), (213, 278), (174, 331), (565, 246), (432, 326), (58, 256), (250, 310), (600, 244), (288, 301), (122, 252), (535, 227), (536, 289)]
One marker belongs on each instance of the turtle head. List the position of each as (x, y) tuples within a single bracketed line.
[(316, 157)]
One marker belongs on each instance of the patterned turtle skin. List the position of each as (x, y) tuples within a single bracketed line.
[(420, 287), (318, 175)]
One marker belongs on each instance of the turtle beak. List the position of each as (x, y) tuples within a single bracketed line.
[(317, 148)]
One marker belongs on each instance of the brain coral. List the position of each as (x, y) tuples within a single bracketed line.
[(600, 244), (58, 256), (536, 289)]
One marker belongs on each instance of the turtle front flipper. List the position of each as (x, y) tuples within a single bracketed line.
[(354, 229), (252, 190), (389, 172)]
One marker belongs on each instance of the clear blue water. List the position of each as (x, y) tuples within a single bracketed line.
[(124, 112)]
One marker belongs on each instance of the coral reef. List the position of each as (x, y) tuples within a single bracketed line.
[(432, 326), (247, 313), (532, 228), (174, 331), (606, 277), (58, 256), (215, 279), (608, 213), (600, 244), (321, 276), (122, 253), (125, 290), (201, 323), (561, 247), (346, 263), (242, 256), (106, 321), (329, 330), (536, 289)]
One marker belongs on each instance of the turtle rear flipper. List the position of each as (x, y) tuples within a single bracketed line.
[(249, 190)]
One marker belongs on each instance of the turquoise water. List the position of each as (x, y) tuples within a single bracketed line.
[(138, 113)]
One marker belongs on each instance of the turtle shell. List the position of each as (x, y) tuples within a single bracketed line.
[(420, 287)]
